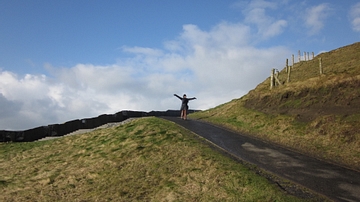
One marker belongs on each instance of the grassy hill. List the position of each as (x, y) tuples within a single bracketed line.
[(152, 159), (148, 159), (315, 114)]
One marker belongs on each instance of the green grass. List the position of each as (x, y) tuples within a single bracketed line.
[(149, 159)]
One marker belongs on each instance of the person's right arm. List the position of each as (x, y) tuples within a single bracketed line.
[(178, 96)]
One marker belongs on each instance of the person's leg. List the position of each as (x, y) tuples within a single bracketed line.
[(185, 114), (182, 113)]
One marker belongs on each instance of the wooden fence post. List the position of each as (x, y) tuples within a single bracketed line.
[(287, 65), (304, 56), (320, 66), (277, 78), (288, 76), (308, 55), (292, 58), (272, 80), (299, 56)]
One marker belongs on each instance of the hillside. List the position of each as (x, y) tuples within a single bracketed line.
[(148, 159), (314, 114)]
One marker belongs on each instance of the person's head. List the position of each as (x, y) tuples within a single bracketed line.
[(184, 96)]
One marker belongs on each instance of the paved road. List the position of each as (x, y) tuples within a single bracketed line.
[(335, 182)]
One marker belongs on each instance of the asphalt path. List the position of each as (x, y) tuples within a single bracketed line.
[(333, 181)]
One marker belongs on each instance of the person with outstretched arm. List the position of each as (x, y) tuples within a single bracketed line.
[(184, 105)]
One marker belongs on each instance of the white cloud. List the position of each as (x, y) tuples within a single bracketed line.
[(355, 17), (215, 66), (256, 13), (224, 35), (142, 50), (253, 4), (315, 17)]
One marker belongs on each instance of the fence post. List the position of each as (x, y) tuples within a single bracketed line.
[(299, 56), (304, 56), (308, 55), (288, 76), (287, 65), (320, 66), (292, 57), (272, 80)]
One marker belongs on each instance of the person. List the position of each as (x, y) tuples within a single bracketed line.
[(184, 105)]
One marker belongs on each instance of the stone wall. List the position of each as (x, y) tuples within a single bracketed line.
[(71, 126)]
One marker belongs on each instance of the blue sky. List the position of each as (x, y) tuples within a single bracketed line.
[(64, 60)]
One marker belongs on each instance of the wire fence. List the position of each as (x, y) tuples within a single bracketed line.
[(274, 75)]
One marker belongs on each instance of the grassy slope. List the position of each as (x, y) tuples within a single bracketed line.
[(313, 114), (147, 159)]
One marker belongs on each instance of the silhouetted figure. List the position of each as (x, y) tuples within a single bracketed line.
[(184, 105)]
